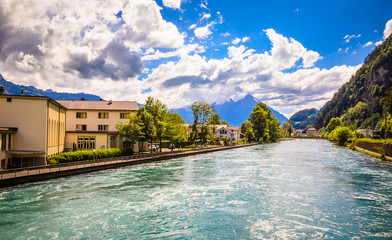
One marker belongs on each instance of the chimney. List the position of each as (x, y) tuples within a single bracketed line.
[(22, 93), (109, 102)]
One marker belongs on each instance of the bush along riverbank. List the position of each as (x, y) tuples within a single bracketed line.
[(89, 155), (380, 146)]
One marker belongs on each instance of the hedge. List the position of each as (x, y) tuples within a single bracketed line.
[(374, 144), (89, 155)]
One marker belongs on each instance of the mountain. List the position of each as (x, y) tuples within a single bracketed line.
[(15, 89), (361, 100), (305, 117), (233, 112)]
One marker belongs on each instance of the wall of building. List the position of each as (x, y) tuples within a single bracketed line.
[(29, 116), (92, 121), (101, 139), (56, 129)]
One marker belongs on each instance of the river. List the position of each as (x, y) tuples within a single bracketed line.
[(301, 189)]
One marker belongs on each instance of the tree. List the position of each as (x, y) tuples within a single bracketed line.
[(287, 129), (202, 112), (2, 89), (334, 123), (131, 131), (264, 124), (174, 130), (146, 124), (340, 134), (158, 110)]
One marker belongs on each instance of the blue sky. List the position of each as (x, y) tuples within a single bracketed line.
[(291, 54)]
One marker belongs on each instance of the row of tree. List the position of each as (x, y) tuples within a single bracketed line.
[(153, 121)]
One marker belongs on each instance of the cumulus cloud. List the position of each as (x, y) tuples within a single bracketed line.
[(176, 4), (58, 44), (349, 37), (388, 29), (378, 43), (236, 41), (245, 71), (203, 32), (205, 16)]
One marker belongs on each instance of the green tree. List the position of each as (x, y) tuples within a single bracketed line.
[(334, 123), (264, 124), (287, 129), (157, 110), (2, 89), (340, 134), (131, 131), (202, 112), (175, 132), (146, 124)]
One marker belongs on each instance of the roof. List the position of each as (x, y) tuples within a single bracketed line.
[(234, 128), (56, 102), (311, 129), (100, 105), (8, 130)]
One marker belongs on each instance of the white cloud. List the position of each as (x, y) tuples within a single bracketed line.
[(378, 43), (176, 4), (349, 37), (368, 44), (245, 39), (205, 16), (203, 32), (226, 34), (309, 58), (388, 29), (81, 46), (192, 26), (235, 41)]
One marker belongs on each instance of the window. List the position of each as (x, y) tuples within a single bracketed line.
[(103, 127), (81, 127), (103, 115), (127, 144), (85, 143), (3, 142), (81, 115), (125, 115), (9, 99)]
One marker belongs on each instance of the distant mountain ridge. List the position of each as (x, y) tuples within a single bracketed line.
[(305, 117), (234, 112), (360, 101), (15, 89)]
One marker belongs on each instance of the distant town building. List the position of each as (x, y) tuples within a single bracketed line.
[(311, 132)]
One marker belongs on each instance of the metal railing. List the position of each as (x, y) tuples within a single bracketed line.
[(34, 170)]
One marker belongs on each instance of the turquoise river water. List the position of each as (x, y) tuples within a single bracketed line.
[(301, 189)]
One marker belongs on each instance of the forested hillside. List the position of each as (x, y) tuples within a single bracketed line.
[(305, 117), (361, 101)]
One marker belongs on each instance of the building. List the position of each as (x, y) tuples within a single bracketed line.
[(31, 128), (232, 133), (92, 124), (311, 132)]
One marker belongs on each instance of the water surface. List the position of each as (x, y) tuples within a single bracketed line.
[(302, 189)]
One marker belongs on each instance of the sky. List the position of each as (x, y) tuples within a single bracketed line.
[(291, 54)]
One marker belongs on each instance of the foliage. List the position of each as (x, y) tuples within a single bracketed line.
[(340, 134), (287, 129), (301, 119), (369, 86), (202, 113), (334, 123), (388, 128), (247, 130), (147, 127), (157, 110), (131, 131), (90, 155), (264, 124), (174, 131), (2, 89)]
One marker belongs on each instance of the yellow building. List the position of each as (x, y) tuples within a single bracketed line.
[(31, 129), (92, 124)]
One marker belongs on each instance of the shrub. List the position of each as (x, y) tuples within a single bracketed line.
[(340, 134), (89, 155)]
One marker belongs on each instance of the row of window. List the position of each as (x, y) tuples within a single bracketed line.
[(4, 142), (102, 115), (88, 142), (83, 127)]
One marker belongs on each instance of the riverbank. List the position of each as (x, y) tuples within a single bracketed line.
[(20, 176)]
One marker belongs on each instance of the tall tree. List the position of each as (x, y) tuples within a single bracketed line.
[(146, 124), (202, 112), (264, 124), (175, 132), (158, 111), (287, 129)]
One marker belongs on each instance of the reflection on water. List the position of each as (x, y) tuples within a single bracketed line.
[(302, 189)]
